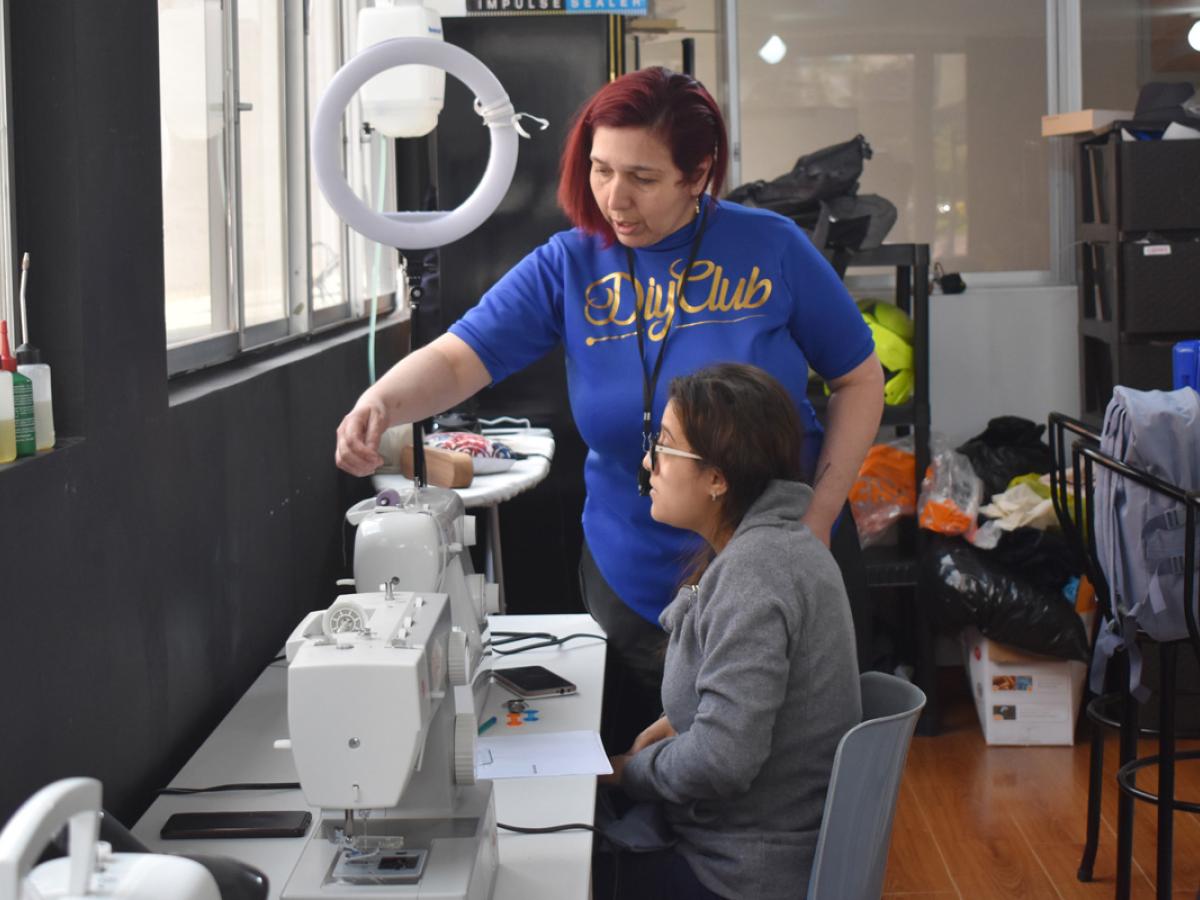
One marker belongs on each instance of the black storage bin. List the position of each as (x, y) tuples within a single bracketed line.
[(1138, 221), (1160, 184), (1145, 366), (1161, 291)]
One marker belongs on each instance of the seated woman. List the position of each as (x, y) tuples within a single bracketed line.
[(761, 678)]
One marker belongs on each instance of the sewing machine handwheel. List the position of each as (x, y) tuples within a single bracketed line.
[(459, 657), (465, 732)]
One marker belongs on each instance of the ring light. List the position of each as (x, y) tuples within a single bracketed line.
[(415, 230)]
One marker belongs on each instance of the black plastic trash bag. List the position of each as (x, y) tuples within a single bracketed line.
[(967, 588), (1008, 447), (1044, 558)]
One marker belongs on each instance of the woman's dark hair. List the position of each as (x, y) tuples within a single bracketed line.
[(743, 422), (675, 107)]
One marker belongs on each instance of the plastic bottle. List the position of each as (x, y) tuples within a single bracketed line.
[(403, 101), (29, 364), (22, 394), (8, 419)]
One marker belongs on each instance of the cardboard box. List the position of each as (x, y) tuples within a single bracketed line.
[(1022, 698), (1081, 121)]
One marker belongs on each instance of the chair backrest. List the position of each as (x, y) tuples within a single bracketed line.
[(856, 828)]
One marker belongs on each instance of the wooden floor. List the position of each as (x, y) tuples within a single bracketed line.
[(975, 821)]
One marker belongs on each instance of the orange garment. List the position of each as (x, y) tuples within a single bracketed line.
[(887, 477)]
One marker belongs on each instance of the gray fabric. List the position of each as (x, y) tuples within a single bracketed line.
[(761, 682), (1139, 531)]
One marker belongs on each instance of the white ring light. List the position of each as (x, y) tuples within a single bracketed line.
[(415, 230)]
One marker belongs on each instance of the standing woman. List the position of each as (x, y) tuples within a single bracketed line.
[(658, 278), (760, 680)]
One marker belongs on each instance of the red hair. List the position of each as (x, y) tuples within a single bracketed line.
[(675, 107)]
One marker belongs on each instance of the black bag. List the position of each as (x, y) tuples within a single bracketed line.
[(822, 175), (820, 194), (967, 587), (1008, 447)]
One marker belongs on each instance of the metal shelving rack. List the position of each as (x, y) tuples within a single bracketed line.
[(898, 566)]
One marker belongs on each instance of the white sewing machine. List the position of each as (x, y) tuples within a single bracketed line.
[(382, 728), (417, 540)]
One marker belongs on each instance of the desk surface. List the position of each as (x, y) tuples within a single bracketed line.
[(551, 866)]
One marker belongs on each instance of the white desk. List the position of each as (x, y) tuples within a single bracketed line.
[(550, 866), (489, 491)]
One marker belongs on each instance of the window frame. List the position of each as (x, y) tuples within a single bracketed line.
[(229, 337)]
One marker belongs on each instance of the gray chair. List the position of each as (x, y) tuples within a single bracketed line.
[(856, 828)]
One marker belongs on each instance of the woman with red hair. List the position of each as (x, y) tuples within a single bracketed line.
[(657, 279)]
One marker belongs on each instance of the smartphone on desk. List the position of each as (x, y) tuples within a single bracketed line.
[(532, 681), (238, 824)]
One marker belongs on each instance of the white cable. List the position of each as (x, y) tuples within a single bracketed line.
[(506, 420)]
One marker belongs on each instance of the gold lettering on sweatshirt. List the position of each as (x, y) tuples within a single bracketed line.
[(709, 293)]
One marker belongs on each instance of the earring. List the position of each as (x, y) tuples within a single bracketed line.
[(714, 496), (698, 213)]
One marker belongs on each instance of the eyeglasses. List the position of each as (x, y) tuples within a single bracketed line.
[(657, 448)]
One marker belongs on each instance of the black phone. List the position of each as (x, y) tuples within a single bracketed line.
[(237, 824), (532, 681)]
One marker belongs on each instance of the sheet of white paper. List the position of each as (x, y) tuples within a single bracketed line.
[(540, 755)]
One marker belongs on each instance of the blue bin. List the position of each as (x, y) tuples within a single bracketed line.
[(1186, 364)]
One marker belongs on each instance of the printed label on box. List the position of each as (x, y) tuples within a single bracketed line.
[(1043, 713), (1012, 682)]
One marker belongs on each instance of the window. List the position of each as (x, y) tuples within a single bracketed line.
[(949, 94), (252, 253)]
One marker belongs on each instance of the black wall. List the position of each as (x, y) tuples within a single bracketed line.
[(153, 563), (549, 65), (151, 566)]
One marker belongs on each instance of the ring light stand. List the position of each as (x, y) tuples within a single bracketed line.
[(416, 230)]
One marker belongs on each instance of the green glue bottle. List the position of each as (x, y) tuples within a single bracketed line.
[(22, 389)]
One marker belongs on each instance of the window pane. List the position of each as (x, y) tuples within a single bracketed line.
[(328, 241), (193, 170), (948, 93), (370, 268), (1110, 53), (695, 19), (260, 78), (374, 264)]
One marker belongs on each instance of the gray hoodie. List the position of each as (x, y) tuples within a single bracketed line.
[(761, 683)]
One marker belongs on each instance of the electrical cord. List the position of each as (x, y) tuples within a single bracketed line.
[(580, 826), (548, 829), (248, 786), (543, 638)]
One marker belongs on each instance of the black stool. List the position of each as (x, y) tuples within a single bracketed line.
[(1085, 457)]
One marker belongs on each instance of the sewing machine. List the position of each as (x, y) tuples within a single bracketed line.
[(417, 540), (382, 725)]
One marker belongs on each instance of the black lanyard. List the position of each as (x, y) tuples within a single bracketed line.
[(650, 379)]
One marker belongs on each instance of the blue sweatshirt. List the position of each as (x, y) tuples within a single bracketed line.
[(759, 293)]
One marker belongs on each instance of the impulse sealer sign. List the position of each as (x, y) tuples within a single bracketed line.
[(603, 7)]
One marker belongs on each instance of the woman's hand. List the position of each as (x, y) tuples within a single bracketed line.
[(658, 731), (427, 381), (359, 434)]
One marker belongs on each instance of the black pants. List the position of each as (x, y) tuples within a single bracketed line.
[(633, 668), (660, 875), (636, 648)]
